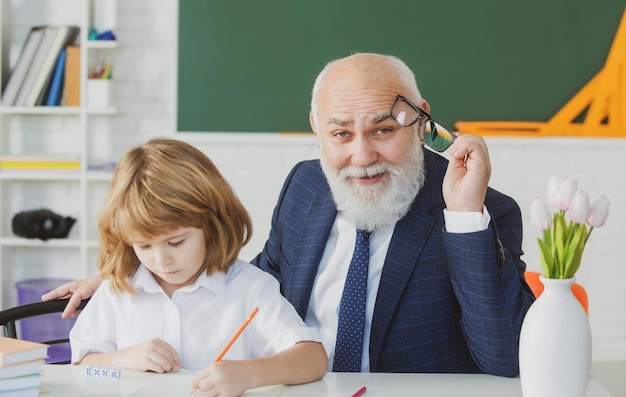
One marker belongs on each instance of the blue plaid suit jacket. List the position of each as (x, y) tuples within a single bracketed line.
[(446, 302)]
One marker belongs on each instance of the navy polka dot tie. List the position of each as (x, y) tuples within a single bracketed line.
[(349, 345)]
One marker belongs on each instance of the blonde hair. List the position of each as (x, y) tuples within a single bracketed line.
[(159, 187)]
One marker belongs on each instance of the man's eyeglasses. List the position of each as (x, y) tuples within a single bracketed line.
[(434, 134)]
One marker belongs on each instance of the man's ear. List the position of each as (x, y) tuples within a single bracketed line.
[(312, 123), (313, 128)]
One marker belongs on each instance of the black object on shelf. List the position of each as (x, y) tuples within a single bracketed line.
[(42, 224)]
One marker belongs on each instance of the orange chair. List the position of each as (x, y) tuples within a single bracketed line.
[(532, 279)]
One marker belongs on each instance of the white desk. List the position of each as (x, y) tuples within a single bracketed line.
[(70, 381)]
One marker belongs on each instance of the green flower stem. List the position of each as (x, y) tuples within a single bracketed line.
[(589, 234), (562, 247)]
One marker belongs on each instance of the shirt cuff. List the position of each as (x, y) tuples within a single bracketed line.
[(466, 221)]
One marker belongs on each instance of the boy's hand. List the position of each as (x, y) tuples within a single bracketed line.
[(153, 355), (224, 378)]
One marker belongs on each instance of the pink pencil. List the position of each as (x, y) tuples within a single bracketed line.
[(360, 392)]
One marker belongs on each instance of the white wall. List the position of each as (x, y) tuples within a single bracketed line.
[(145, 94)]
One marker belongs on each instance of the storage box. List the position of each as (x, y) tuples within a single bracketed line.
[(48, 326)]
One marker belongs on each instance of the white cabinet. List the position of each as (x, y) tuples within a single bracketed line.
[(53, 131)]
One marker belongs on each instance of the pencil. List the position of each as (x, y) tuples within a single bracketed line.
[(234, 338), (360, 392), (107, 72)]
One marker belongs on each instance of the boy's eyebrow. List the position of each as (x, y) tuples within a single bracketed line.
[(175, 235)]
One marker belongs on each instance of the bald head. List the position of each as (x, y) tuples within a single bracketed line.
[(362, 75)]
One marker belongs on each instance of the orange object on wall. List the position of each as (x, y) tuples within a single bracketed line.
[(532, 279), (601, 104)]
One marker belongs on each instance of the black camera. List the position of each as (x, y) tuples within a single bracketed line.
[(42, 224)]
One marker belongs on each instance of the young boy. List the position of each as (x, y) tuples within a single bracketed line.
[(174, 291)]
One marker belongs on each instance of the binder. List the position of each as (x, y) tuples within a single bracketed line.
[(72, 76), (56, 85)]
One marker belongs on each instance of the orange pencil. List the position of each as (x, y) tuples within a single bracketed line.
[(234, 338)]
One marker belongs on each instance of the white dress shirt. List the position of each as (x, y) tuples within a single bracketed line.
[(323, 310), (197, 321)]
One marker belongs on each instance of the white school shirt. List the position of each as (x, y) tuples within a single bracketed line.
[(197, 321), (323, 310)]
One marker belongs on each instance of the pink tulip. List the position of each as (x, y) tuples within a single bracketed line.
[(566, 193), (599, 212), (553, 190), (540, 216), (579, 210)]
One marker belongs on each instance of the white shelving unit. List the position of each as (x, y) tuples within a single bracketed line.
[(45, 130)]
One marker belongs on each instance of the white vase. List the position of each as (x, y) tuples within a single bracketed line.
[(555, 343)]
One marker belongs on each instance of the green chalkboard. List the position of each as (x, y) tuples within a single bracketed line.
[(248, 65)]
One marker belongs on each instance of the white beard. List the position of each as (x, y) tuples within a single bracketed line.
[(382, 204)]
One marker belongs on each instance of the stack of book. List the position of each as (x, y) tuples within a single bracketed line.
[(21, 366), (38, 75)]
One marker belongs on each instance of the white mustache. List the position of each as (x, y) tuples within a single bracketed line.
[(372, 170)]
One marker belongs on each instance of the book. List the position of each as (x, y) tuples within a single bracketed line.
[(21, 382), (40, 163), (72, 76), (56, 85), (20, 369), (24, 61), (67, 35), (29, 392), (63, 35), (29, 79), (13, 351)]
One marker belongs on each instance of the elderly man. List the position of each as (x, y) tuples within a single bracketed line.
[(445, 287)]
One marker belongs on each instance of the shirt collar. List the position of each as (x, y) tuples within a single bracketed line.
[(144, 280)]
